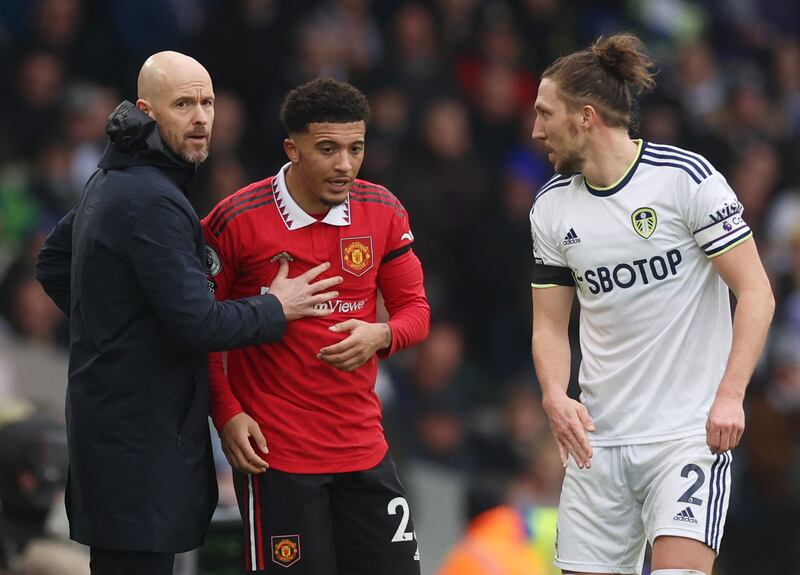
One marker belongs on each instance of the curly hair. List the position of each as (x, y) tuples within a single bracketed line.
[(323, 100)]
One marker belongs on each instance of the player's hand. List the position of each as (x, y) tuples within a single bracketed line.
[(300, 297), (359, 346), (569, 422), (236, 443), (725, 424)]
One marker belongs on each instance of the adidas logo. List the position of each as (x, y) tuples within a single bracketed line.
[(571, 238), (686, 516)]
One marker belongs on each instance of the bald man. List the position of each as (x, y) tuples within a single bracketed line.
[(176, 91), (128, 266)]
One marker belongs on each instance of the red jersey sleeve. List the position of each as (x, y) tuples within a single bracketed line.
[(220, 259), (400, 280)]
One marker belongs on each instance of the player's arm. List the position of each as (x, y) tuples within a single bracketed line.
[(55, 261), (400, 280), (742, 271), (401, 283), (235, 427), (569, 419)]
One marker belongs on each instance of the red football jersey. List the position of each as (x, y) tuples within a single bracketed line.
[(315, 418)]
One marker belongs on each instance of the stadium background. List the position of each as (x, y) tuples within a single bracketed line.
[(451, 84)]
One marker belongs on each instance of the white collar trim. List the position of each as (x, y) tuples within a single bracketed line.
[(293, 215)]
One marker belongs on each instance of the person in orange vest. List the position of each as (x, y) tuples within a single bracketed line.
[(506, 541)]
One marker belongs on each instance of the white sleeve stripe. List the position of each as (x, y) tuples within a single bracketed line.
[(722, 237), (722, 228), (729, 245)]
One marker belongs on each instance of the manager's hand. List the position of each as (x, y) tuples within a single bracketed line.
[(300, 296), (236, 444)]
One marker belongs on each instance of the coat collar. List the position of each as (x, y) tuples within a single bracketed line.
[(134, 140)]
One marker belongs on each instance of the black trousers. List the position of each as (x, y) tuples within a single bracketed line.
[(112, 562)]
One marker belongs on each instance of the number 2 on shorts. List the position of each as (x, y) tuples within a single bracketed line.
[(401, 534), (698, 483)]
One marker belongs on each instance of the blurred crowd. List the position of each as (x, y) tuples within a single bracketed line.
[(451, 84)]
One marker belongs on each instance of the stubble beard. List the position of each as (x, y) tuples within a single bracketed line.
[(333, 203), (572, 164)]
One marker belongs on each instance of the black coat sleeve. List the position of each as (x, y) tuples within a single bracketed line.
[(54, 262), (166, 264)]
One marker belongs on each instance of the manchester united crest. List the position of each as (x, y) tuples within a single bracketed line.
[(644, 221), (356, 255), (285, 549)]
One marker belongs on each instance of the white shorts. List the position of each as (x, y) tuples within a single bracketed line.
[(633, 492)]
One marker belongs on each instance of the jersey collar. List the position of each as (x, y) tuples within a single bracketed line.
[(293, 215), (624, 179)]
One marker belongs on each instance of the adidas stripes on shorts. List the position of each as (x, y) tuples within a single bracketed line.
[(635, 493)]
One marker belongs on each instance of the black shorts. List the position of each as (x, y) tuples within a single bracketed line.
[(327, 524)]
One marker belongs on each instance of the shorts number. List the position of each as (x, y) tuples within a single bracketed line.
[(698, 483), (401, 534)]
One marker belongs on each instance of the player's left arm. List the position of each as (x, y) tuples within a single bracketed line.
[(742, 271), (400, 280)]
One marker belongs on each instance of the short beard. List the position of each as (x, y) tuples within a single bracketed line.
[(196, 157), (570, 165)]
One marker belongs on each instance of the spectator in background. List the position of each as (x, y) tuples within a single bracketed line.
[(88, 108), (699, 84), (496, 541), (37, 103), (748, 116), (754, 174), (502, 237), (457, 24), (388, 129), (661, 122), (444, 195), (506, 441), (786, 71), (497, 84), (358, 38), (433, 396), (34, 347), (33, 472), (417, 64)]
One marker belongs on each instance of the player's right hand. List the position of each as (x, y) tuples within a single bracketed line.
[(300, 297), (569, 422), (237, 446)]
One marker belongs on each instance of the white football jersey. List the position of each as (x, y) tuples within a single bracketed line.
[(655, 323)]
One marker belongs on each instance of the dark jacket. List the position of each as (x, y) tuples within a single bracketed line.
[(127, 265)]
